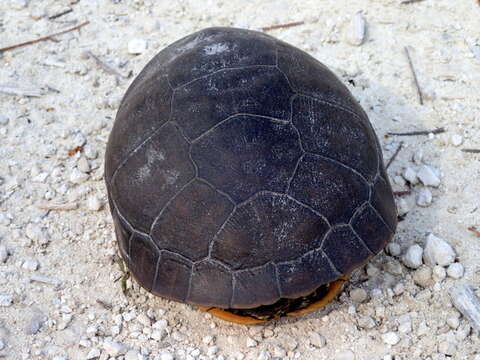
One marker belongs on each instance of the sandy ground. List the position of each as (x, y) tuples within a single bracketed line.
[(58, 298)]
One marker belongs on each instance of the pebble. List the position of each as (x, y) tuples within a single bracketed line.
[(93, 354), (453, 322), (422, 276), (403, 207), (35, 324), (455, 270), (439, 273), (394, 249), (456, 140), (391, 338), (428, 176), (413, 257), (3, 253), (90, 152), (410, 175), (358, 295), (3, 120), (114, 348), (212, 350), (317, 339), (208, 339), (83, 165), (438, 252), (6, 300), (166, 356), (137, 46), (78, 177), (366, 322), (30, 265), (447, 348), (251, 343), (144, 320), (36, 233), (398, 289), (424, 197), (358, 30), (345, 355)]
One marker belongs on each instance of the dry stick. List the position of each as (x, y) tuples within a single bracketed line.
[(104, 66), (422, 132), (401, 193), (44, 38), (283, 26), (394, 155), (59, 207), (472, 151), (474, 230), (411, 1), (65, 12), (420, 97)]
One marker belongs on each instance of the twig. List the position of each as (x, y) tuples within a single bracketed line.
[(105, 305), (402, 193), (394, 155), (422, 132), (411, 1), (473, 151), (11, 90), (59, 207), (420, 97), (474, 230), (64, 12), (45, 280), (107, 68), (283, 26), (44, 38)]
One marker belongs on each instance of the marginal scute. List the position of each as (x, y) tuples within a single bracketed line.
[(144, 257), (336, 133), (303, 275), (203, 103), (139, 115), (254, 287), (345, 249), (152, 176), (328, 187), (211, 285), (371, 228), (214, 49), (122, 233), (383, 201), (268, 227), (247, 154), (191, 219), (173, 275)]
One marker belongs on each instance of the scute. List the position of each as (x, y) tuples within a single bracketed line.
[(211, 285), (172, 276), (143, 260), (383, 201)]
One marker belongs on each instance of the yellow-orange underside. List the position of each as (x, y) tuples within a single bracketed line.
[(333, 290)]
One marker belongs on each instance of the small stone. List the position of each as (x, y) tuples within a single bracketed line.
[(398, 289), (132, 355), (161, 324), (144, 319), (358, 295), (251, 343), (422, 276), (403, 207), (410, 175), (30, 265), (439, 273), (357, 30), (417, 157), (455, 270), (6, 300), (456, 140), (424, 197), (447, 348), (93, 354), (317, 339), (3, 120), (453, 322), (413, 257), (114, 348), (264, 355), (212, 350), (37, 13), (438, 252), (158, 334), (208, 339), (78, 177), (366, 322), (166, 356), (137, 46), (345, 355), (394, 249), (83, 165), (390, 338), (40, 178), (428, 176), (35, 324), (90, 152), (405, 327), (279, 352), (3, 253)]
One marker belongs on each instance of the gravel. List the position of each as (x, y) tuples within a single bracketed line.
[(390, 338), (358, 295), (438, 252), (317, 339), (428, 176), (455, 270), (424, 197), (413, 257), (423, 276)]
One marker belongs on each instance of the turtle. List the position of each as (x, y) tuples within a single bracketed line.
[(244, 178)]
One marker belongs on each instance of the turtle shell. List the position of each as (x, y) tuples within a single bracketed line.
[(240, 171)]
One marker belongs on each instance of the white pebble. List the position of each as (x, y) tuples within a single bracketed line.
[(317, 339), (3, 120), (455, 270), (366, 322), (132, 355), (90, 152), (456, 140), (208, 339), (144, 319), (94, 203), (413, 257), (390, 338), (251, 342), (78, 177), (410, 175), (83, 165), (424, 197), (394, 249), (358, 295), (438, 252), (422, 276), (158, 334), (403, 207), (453, 322), (447, 348), (137, 46), (166, 356), (36, 233), (345, 355), (439, 273), (114, 348), (428, 176), (6, 300), (398, 289), (3, 253), (212, 350), (30, 265), (161, 324), (93, 354), (357, 30)]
